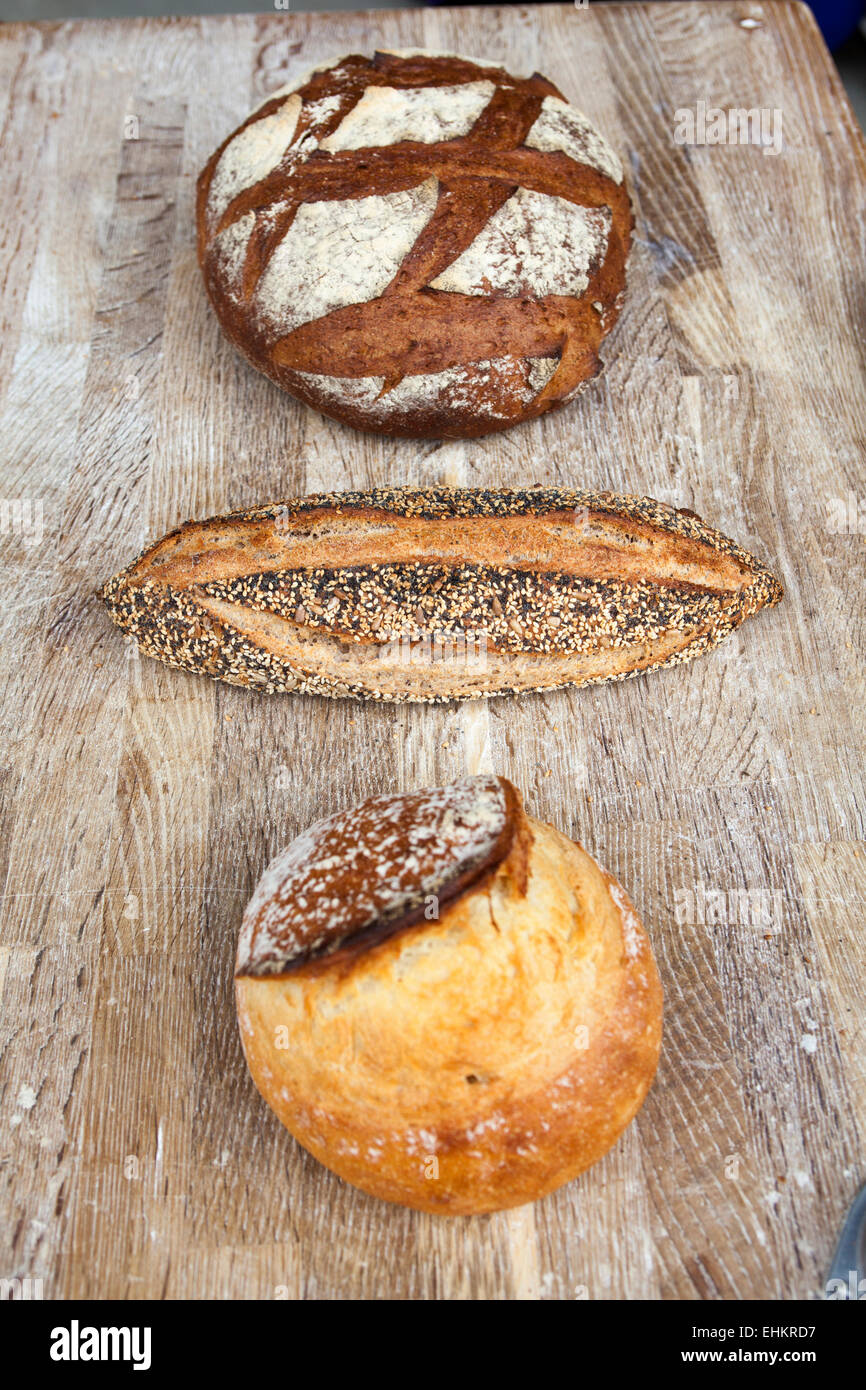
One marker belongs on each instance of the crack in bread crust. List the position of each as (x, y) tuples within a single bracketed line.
[(318, 906)]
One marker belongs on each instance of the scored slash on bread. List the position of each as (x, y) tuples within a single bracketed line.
[(314, 908), (410, 594)]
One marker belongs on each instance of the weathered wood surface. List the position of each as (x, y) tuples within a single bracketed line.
[(140, 804)]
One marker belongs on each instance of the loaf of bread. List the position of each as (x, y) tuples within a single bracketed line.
[(438, 593), (417, 244), (449, 1004)]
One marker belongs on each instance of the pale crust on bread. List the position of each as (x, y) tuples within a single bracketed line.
[(438, 593), (473, 1062), (417, 244)]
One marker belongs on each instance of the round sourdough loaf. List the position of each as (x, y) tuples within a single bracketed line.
[(448, 1003), (417, 244)]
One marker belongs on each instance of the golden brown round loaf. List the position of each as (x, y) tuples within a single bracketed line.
[(448, 1003), (417, 244)]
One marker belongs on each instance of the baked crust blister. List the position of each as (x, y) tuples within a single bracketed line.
[(464, 1063), (436, 594), (417, 244)]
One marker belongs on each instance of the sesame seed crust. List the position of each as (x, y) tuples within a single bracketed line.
[(517, 610), (263, 625)]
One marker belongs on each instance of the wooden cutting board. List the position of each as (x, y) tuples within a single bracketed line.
[(140, 804)]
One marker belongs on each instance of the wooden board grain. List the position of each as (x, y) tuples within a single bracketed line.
[(140, 804)]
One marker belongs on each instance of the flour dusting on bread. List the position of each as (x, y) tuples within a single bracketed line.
[(513, 1038), (632, 931), (370, 866), (400, 202), (386, 115), (252, 154), (535, 244), (231, 248), (489, 386), (338, 253), (561, 127)]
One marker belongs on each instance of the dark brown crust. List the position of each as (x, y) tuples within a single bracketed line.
[(412, 329), (509, 856), (338, 951), (549, 574)]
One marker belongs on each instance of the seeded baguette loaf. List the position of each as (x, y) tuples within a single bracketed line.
[(439, 593), (449, 1004)]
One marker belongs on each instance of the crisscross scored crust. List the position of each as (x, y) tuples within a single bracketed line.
[(417, 244)]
